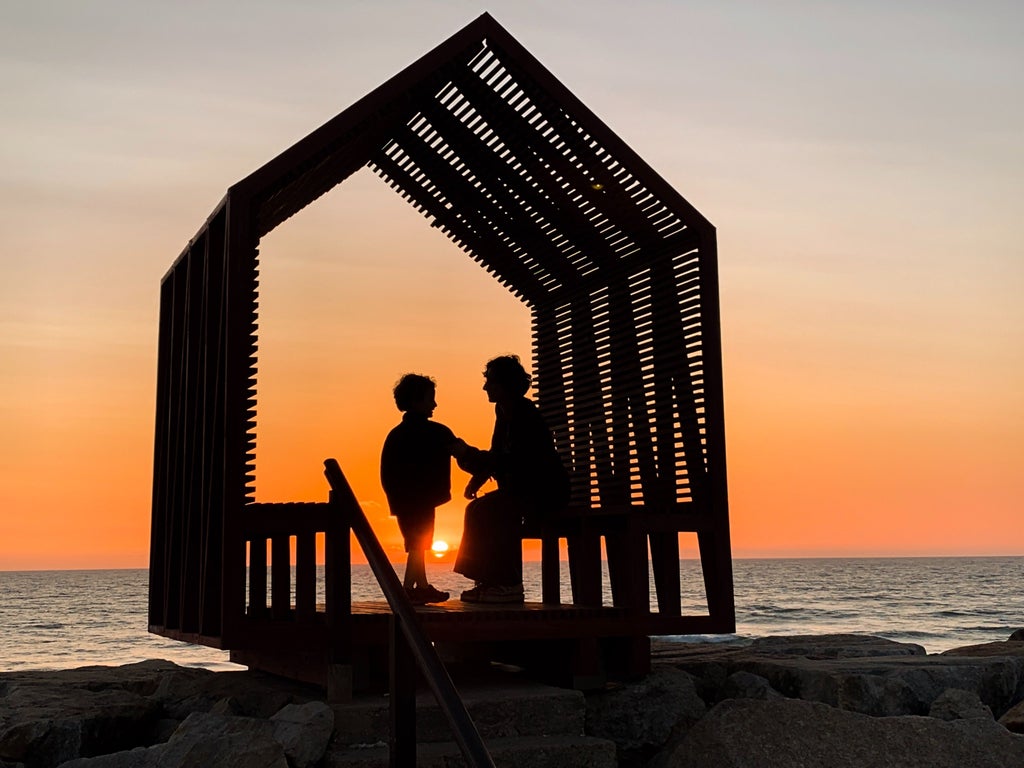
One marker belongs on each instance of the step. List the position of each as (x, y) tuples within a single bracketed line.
[(515, 752), (502, 709)]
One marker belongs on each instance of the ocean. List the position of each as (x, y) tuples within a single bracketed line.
[(64, 619)]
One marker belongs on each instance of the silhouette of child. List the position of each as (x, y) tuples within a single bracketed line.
[(415, 472)]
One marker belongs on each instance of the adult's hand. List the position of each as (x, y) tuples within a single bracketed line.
[(473, 486)]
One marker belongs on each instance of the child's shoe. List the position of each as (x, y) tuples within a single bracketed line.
[(431, 594), (415, 595)]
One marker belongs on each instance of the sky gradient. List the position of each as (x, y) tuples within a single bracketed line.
[(863, 163)]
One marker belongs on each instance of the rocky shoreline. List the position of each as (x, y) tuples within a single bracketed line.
[(828, 700)]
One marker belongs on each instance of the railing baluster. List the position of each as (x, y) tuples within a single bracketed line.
[(280, 578), (257, 577), (305, 575)]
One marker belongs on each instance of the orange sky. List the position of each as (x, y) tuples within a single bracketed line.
[(869, 245)]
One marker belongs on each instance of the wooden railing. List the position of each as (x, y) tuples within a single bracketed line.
[(284, 526), (410, 647)]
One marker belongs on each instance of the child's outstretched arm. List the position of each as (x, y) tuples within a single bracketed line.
[(459, 447)]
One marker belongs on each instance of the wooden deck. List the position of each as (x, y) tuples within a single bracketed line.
[(456, 620), (566, 644)]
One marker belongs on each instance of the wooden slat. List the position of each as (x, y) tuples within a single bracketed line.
[(280, 577)]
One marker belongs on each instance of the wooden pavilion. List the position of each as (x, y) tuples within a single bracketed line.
[(620, 275)]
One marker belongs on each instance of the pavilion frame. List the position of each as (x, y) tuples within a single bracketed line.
[(619, 273)]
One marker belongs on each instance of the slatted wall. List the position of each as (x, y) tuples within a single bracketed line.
[(204, 438)]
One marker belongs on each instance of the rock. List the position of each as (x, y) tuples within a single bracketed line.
[(160, 715), (1013, 720), (833, 646), (141, 678), (40, 742), (304, 731), (140, 757), (998, 648), (746, 685), (44, 723), (1018, 635), (186, 690), (746, 733), (642, 717), (836, 646), (296, 737), (858, 680), (1009, 649), (165, 728), (52, 717), (205, 740), (227, 706), (955, 704)]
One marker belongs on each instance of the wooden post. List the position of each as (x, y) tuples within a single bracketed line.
[(585, 568), (402, 687), (550, 569), (338, 587)]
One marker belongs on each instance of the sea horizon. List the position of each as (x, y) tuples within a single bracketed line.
[(449, 559)]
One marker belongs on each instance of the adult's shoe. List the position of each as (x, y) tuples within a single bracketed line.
[(500, 593), (472, 595)]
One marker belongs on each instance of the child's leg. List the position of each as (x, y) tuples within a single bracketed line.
[(410, 570), (416, 570)]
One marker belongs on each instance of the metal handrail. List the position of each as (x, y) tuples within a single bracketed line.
[(422, 650)]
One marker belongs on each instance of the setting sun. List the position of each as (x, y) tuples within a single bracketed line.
[(439, 548)]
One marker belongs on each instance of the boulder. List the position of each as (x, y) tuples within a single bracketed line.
[(955, 704), (1017, 634), (52, 717), (747, 733), (140, 757), (642, 717), (860, 680), (834, 646), (141, 677), (296, 737), (747, 685), (43, 724), (304, 731), (840, 646), (205, 740), (998, 648), (1013, 720), (186, 690)]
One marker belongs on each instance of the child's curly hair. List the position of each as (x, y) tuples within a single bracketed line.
[(411, 388)]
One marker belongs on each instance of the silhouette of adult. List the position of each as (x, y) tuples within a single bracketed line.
[(532, 485)]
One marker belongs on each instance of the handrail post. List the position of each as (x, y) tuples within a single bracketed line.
[(402, 688)]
